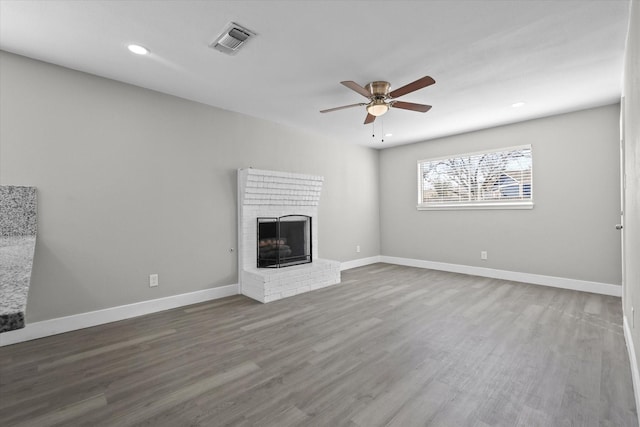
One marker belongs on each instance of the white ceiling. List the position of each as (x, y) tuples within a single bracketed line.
[(556, 56)]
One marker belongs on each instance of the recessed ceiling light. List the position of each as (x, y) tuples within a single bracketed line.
[(388, 134), (138, 50), (517, 104)]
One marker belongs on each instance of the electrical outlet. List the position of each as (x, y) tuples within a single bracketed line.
[(153, 280), (358, 248), (483, 255)]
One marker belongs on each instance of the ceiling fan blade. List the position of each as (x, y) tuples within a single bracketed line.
[(342, 108), (411, 106), (411, 87), (357, 88), (369, 119)]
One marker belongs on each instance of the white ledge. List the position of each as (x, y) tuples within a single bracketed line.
[(469, 206)]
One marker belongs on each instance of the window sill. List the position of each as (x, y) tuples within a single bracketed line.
[(474, 206)]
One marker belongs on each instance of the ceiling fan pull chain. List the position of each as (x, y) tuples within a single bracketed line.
[(382, 127), (373, 129)]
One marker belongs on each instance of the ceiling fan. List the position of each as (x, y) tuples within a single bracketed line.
[(380, 99)]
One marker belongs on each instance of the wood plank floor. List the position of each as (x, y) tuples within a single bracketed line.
[(391, 345)]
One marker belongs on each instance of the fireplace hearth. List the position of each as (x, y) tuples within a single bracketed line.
[(284, 241)]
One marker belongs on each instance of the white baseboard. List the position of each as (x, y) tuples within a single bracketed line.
[(60, 325), (536, 279), (359, 262), (635, 375)]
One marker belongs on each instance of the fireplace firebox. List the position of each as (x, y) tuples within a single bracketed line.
[(284, 241)]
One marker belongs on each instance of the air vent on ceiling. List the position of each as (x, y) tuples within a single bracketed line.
[(232, 39)]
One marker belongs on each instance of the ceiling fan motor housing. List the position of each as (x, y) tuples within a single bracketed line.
[(379, 93), (378, 89)]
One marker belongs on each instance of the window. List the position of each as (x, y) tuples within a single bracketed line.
[(498, 179)]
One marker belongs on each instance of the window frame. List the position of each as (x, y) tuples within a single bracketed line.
[(474, 205)]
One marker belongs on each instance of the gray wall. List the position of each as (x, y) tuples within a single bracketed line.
[(132, 182), (570, 231), (631, 295)]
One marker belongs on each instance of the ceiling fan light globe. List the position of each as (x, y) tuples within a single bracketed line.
[(377, 109)]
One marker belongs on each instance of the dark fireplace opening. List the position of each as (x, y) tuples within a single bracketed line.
[(284, 241)]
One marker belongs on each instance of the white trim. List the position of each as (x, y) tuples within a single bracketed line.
[(60, 325), (477, 153), (480, 205), (635, 375), (241, 181), (536, 279), (347, 265), (93, 318)]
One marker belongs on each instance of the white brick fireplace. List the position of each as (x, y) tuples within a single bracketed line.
[(272, 194)]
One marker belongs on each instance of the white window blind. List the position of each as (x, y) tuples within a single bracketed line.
[(485, 180)]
